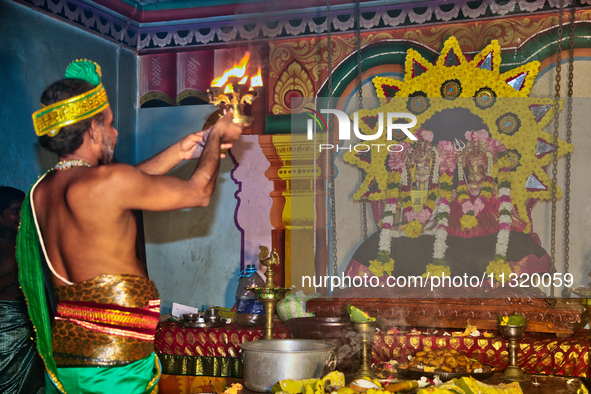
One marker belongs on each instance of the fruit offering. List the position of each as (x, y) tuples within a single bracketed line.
[(359, 316), (469, 385), (444, 361), (513, 320)]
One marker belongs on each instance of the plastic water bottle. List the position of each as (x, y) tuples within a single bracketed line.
[(249, 310)]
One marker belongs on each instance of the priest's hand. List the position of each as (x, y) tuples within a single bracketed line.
[(191, 147), (226, 129)]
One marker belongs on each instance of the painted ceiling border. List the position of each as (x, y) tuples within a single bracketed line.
[(193, 34)]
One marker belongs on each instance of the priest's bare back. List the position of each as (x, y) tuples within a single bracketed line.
[(85, 212)]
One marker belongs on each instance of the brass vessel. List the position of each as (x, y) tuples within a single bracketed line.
[(513, 372), (365, 331), (270, 294)]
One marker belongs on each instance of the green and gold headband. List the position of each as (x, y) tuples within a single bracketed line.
[(50, 119)]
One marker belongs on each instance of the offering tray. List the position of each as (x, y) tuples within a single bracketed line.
[(203, 324), (416, 373)]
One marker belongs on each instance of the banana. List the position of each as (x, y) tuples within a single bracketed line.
[(346, 390)]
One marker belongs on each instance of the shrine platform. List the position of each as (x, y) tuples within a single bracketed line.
[(200, 360), (449, 308)]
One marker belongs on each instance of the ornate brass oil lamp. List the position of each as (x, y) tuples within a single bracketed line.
[(513, 372), (270, 294), (365, 330), (234, 90)]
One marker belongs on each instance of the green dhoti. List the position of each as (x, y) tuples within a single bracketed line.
[(138, 377)]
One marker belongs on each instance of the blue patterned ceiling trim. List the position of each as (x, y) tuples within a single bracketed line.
[(90, 17), (185, 34)]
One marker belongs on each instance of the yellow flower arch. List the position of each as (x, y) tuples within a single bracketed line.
[(517, 123)]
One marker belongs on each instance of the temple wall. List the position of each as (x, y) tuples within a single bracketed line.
[(194, 254), (580, 211)]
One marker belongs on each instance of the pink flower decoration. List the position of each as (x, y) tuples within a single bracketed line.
[(477, 206), (480, 135), (411, 215), (505, 226), (424, 134), (475, 136), (447, 156), (396, 159), (505, 199), (445, 147), (387, 225), (424, 215), (494, 146)]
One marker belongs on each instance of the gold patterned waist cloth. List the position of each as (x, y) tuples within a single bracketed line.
[(108, 320)]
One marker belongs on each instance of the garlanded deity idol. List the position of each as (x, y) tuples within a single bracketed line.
[(421, 158), (476, 162)]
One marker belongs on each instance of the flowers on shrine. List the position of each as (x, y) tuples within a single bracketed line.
[(500, 269), (413, 229), (379, 269), (498, 98), (468, 221), (437, 270), (504, 162)]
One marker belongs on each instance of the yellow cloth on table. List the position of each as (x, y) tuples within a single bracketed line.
[(469, 385)]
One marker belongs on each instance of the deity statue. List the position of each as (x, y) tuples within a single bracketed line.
[(476, 162), (420, 157)]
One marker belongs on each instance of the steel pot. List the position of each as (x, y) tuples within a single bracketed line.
[(268, 361)]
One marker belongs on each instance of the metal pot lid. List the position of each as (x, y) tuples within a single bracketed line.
[(288, 345)]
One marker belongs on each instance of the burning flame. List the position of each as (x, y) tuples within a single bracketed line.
[(229, 89), (257, 80), (238, 71)]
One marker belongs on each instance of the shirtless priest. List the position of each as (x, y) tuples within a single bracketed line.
[(94, 309)]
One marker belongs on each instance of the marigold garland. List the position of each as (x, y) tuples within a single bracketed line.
[(413, 229), (468, 222), (436, 270), (500, 270), (379, 268), (443, 210)]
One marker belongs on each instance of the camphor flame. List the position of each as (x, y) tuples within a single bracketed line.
[(257, 80), (229, 89), (238, 71)]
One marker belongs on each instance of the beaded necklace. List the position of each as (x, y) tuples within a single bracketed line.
[(66, 164)]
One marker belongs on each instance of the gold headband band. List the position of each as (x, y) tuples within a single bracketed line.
[(50, 119)]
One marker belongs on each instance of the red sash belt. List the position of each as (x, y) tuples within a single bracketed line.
[(137, 323)]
